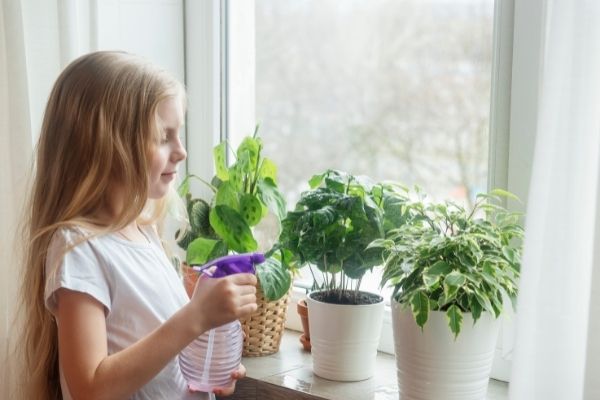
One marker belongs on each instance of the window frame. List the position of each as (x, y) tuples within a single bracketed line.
[(220, 77)]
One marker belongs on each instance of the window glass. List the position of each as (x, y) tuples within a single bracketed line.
[(393, 89)]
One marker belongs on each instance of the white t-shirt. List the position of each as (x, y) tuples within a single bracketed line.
[(138, 287)]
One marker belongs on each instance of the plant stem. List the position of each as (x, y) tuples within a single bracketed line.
[(214, 189), (313, 275), (325, 276), (356, 290), (259, 165)]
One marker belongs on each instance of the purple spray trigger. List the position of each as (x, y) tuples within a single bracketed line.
[(233, 264)]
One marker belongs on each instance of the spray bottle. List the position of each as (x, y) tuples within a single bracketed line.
[(208, 361)]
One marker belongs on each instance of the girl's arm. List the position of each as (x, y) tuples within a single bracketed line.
[(91, 373)]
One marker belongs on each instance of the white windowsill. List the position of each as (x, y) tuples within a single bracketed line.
[(291, 368)]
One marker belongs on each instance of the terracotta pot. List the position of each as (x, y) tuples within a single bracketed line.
[(189, 278), (303, 312)]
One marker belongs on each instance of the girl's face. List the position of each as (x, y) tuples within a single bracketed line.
[(169, 152)]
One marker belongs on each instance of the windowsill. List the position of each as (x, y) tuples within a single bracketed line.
[(290, 371)]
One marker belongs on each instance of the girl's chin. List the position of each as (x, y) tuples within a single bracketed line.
[(158, 191)]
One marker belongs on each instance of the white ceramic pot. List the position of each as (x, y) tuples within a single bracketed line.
[(432, 365), (344, 339)]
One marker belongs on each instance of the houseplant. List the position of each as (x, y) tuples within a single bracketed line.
[(329, 230), (451, 270), (245, 195)]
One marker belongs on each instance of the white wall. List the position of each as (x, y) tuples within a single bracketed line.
[(150, 28), (37, 39)]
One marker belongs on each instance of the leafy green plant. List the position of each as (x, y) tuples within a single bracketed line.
[(332, 225), (453, 260), (243, 194)]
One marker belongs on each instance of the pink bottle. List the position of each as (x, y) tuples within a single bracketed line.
[(209, 361)]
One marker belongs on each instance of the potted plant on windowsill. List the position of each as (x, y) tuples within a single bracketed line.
[(246, 198), (329, 230), (451, 270)]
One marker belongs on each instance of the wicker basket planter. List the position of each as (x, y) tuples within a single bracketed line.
[(264, 328)]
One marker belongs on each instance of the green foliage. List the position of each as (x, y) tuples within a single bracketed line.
[(334, 222), (447, 259), (243, 194)]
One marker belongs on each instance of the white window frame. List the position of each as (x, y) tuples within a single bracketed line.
[(204, 68), (517, 66), (220, 73)]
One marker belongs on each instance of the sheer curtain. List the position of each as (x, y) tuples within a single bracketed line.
[(36, 40), (555, 319), (15, 151)]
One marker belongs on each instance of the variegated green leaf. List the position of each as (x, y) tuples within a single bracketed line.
[(251, 209), (504, 193), (268, 169), (419, 303), (199, 217), (199, 251), (455, 278), (484, 301), (475, 307), (249, 149), (272, 197), (184, 187), (220, 157), (236, 176), (232, 227), (315, 181), (430, 280), (275, 280), (227, 195), (454, 316)]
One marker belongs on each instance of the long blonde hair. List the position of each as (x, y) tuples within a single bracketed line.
[(99, 125)]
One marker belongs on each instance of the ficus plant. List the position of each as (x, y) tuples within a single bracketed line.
[(243, 194), (332, 225), (450, 259)]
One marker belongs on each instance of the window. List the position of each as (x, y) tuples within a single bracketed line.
[(395, 90), (224, 56)]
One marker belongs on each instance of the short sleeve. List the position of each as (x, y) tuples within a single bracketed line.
[(78, 269)]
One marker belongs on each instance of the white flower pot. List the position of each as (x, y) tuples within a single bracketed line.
[(344, 339), (433, 365)]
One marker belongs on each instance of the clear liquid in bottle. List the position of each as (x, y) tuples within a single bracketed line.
[(209, 361)]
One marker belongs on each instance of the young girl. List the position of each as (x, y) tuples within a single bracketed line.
[(106, 314)]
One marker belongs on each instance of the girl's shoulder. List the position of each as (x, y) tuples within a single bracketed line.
[(79, 241), (68, 237)]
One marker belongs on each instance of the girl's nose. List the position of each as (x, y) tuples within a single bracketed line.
[(179, 153)]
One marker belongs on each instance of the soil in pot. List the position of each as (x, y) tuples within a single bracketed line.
[(350, 297)]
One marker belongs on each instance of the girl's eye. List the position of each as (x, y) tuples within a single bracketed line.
[(164, 137), (168, 135)]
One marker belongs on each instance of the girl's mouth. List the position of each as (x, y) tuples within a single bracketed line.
[(168, 175)]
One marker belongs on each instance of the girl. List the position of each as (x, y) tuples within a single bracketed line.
[(106, 314)]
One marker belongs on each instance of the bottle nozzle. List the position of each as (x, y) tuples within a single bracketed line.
[(232, 264)]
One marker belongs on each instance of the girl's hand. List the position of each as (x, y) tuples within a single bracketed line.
[(228, 391), (217, 301)]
